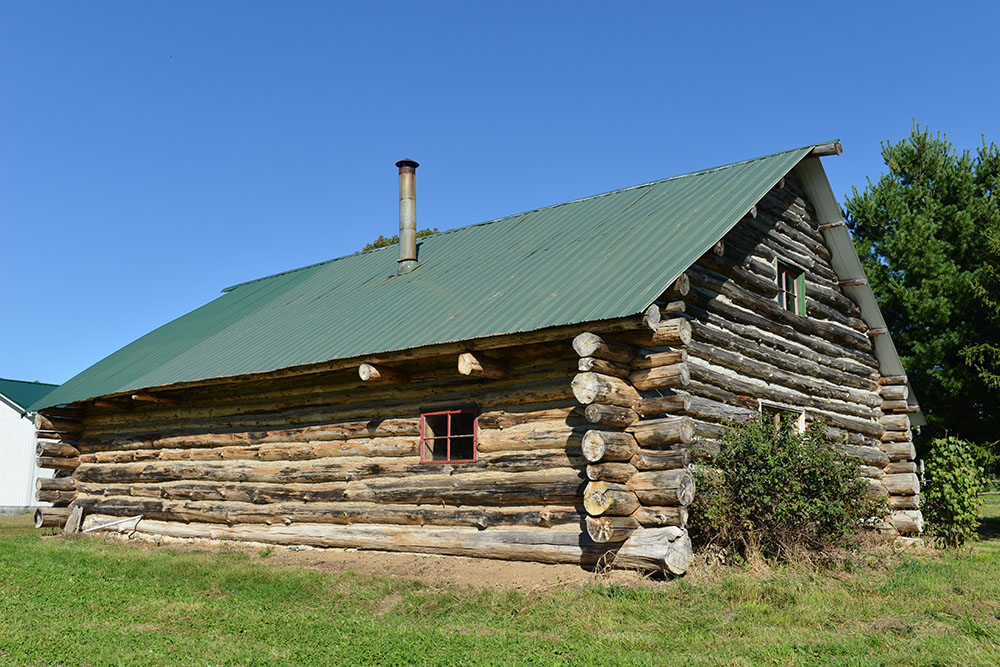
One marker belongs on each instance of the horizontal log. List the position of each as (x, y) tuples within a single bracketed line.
[(478, 364), (544, 487), (546, 545), (340, 513), (55, 484), (896, 436), (871, 472), (899, 451), (895, 392), (610, 472), (610, 415), (895, 422), (661, 358), (908, 522), (596, 388), (895, 406), (665, 549), (892, 379), (44, 496), (707, 409), (675, 331), (374, 448), (611, 528), (56, 448), (609, 498), (323, 470), (902, 484), (377, 373), (663, 487), (875, 489), (662, 432), (900, 467), (871, 456), (904, 502), (656, 405), (661, 377), (500, 419), (591, 345), (600, 446), (46, 423), (660, 459), (596, 365), (46, 517), (57, 463), (651, 517)]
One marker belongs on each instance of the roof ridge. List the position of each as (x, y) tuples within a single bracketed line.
[(700, 172), (47, 384)]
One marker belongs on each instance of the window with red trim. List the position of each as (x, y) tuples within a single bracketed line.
[(448, 436)]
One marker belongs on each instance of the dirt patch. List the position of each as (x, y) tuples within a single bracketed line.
[(433, 570)]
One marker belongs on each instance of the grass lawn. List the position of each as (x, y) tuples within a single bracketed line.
[(93, 602)]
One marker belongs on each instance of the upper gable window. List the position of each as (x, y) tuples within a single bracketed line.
[(791, 289), (448, 436)]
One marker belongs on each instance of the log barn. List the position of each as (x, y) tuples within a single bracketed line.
[(534, 388)]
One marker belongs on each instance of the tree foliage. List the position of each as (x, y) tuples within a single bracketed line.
[(951, 494), (774, 491), (383, 241), (920, 233)]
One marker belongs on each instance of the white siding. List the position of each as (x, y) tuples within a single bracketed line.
[(17, 459)]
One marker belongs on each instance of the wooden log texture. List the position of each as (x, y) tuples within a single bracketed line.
[(904, 502), (57, 463), (900, 467), (479, 365), (44, 496), (610, 499), (229, 512), (603, 529), (540, 487), (610, 472), (595, 365), (896, 422), (46, 423), (679, 288), (902, 484), (596, 388), (655, 359), (600, 446), (661, 377), (56, 448), (871, 456), (895, 392), (653, 459), (610, 415), (591, 345), (663, 487), (674, 332), (663, 432), (46, 517), (907, 522), (656, 405), (651, 517), (546, 545), (377, 373), (658, 549), (899, 451), (55, 484)]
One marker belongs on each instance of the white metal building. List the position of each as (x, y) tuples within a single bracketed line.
[(18, 471)]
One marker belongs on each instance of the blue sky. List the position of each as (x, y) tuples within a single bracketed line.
[(153, 153)]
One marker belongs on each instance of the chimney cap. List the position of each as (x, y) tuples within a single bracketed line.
[(407, 162)]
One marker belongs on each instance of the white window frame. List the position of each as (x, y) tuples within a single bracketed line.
[(779, 408)]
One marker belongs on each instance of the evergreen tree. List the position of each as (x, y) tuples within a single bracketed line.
[(920, 233)]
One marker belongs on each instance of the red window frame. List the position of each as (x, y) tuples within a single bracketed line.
[(447, 437)]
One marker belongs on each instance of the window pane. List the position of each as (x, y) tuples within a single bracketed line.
[(436, 449), (435, 426), (462, 448), (463, 423)]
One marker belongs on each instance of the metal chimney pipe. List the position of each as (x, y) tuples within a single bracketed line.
[(407, 215)]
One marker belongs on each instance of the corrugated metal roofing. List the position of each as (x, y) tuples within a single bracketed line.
[(598, 258), (25, 393)]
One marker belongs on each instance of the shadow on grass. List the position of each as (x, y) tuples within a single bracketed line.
[(989, 529)]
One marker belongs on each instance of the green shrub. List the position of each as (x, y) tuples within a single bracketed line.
[(774, 491), (951, 493)]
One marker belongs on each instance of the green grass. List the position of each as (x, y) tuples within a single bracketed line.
[(93, 602)]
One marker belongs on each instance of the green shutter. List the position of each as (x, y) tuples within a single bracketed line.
[(800, 294)]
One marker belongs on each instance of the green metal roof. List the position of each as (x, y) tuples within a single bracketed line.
[(598, 258), (24, 393)]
